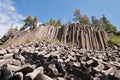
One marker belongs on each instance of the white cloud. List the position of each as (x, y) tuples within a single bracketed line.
[(9, 16)]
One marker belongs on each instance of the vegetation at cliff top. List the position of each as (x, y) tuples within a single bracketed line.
[(54, 22), (79, 18), (114, 39)]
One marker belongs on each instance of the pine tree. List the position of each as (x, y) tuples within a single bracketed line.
[(107, 25), (28, 20), (85, 20), (34, 23), (77, 15), (31, 22), (95, 22), (51, 21), (58, 23)]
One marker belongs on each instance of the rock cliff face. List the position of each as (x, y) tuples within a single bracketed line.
[(86, 37), (89, 38)]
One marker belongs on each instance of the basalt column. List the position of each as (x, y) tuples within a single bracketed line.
[(89, 38), (83, 38)]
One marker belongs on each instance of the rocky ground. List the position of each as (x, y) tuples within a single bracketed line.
[(48, 61)]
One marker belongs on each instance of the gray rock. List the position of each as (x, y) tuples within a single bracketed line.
[(110, 71), (13, 68), (52, 70), (3, 51), (117, 74), (10, 55), (45, 61), (17, 76), (60, 78), (41, 76), (4, 61), (81, 74), (5, 73), (33, 74), (26, 69), (16, 62), (89, 62), (99, 68)]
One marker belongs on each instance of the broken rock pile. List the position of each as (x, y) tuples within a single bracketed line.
[(48, 61)]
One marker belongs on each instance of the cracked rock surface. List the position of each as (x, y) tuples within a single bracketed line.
[(48, 61)]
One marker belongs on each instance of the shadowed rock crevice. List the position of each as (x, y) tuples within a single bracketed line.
[(50, 61), (86, 37)]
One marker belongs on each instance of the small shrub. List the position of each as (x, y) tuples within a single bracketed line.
[(72, 44), (114, 39)]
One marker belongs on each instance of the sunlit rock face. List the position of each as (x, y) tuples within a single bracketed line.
[(85, 37)]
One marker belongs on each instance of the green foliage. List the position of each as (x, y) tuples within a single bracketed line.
[(54, 22), (107, 25), (85, 20), (72, 44), (58, 23), (102, 22), (51, 21), (29, 21), (77, 15), (34, 23), (3, 45), (35, 19), (81, 19), (114, 39), (54, 41), (95, 21)]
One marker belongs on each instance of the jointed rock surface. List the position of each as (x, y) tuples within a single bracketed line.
[(85, 37), (48, 61)]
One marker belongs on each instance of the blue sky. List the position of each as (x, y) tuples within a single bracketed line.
[(57, 9)]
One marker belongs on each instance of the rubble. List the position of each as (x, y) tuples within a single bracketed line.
[(50, 61)]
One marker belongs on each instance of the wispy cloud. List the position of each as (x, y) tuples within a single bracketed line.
[(9, 16)]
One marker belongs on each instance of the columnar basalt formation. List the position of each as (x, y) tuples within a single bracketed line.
[(86, 37)]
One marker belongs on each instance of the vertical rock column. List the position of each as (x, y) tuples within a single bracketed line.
[(96, 39), (90, 38), (101, 40), (75, 34), (65, 34), (82, 38), (103, 33), (87, 39)]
